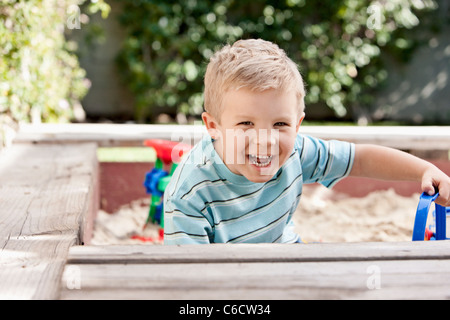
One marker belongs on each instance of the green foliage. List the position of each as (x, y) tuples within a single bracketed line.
[(40, 77), (337, 44)]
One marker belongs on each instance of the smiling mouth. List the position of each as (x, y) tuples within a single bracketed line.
[(260, 161)]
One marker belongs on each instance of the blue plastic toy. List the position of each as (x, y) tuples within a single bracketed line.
[(420, 232), (168, 154)]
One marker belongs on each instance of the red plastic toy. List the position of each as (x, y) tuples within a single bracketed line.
[(156, 181), (168, 151)]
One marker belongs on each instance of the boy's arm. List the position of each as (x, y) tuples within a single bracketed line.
[(184, 223), (379, 162)]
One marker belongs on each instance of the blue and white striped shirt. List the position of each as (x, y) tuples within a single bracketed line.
[(207, 203)]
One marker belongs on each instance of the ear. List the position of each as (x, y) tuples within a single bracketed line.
[(211, 124), (302, 116)]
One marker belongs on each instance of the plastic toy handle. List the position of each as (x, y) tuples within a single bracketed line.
[(421, 218), (168, 151), (441, 221)]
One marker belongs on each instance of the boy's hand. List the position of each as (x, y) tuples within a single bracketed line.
[(389, 164), (435, 180)]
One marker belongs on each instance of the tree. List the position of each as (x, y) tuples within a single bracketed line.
[(40, 77), (337, 44)]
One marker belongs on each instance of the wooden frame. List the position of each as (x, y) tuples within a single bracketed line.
[(49, 197)]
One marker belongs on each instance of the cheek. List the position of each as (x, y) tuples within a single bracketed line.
[(235, 146), (286, 144), (241, 140), (242, 147)]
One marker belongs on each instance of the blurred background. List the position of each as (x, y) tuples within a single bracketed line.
[(364, 62)]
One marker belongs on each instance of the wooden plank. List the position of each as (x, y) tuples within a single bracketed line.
[(46, 197), (403, 137), (247, 253), (400, 279), (408, 270), (31, 266), (400, 137), (108, 135)]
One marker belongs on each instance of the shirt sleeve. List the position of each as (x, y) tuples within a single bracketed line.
[(325, 161), (184, 223)]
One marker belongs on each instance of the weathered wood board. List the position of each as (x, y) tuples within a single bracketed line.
[(401, 137), (47, 199), (410, 270)]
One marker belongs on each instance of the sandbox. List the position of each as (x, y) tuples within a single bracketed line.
[(52, 192), (355, 210)]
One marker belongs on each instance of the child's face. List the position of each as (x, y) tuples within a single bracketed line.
[(256, 132)]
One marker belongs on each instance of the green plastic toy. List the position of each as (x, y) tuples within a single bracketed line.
[(168, 154)]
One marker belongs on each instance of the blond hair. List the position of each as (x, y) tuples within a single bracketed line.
[(256, 65)]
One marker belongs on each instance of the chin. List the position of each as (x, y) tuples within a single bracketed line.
[(260, 178)]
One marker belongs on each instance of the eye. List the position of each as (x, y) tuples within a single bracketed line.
[(245, 123), (281, 124)]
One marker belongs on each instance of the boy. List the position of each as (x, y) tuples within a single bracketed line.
[(243, 182)]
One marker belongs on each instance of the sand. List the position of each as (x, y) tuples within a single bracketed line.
[(119, 227), (323, 216)]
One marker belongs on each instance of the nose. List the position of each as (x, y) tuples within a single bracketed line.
[(265, 137)]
